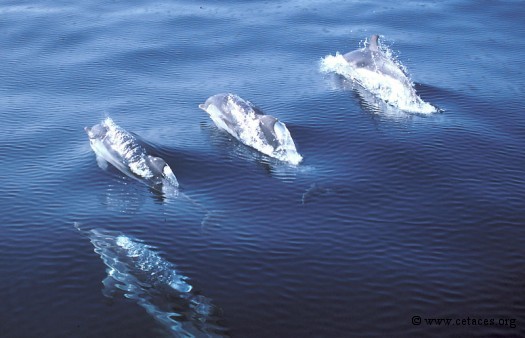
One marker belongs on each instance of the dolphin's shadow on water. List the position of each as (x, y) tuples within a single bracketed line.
[(137, 272)]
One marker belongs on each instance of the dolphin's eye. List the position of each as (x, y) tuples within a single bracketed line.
[(360, 64)]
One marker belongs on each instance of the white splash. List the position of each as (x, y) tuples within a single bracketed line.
[(388, 89)]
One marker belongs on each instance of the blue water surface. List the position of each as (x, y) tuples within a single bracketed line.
[(389, 216)]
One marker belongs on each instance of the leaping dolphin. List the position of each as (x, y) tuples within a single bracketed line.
[(125, 152), (372, 58), (379, 73), (248, 124)]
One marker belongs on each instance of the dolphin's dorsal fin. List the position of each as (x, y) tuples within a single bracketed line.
[(373, 46), (157, 162), (267, 124), (268, 121)]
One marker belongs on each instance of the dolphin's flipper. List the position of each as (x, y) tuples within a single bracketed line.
[(102, 163), (229, 123)]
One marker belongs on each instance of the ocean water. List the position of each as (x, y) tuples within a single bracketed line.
[(391, 220)]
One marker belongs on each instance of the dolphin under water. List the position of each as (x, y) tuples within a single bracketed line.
[(376, 70), (135, 270), (125, 152), (249, 125)]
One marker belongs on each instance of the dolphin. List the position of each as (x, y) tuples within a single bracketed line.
[(137, 271), (128, 154), (249, 125), (380, 74), (374, 59)]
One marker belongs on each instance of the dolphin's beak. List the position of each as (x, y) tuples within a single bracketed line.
[(202, 106), (88, 131)]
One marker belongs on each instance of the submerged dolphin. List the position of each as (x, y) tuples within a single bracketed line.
[(248, 124), (115, 145), (142, 275)]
